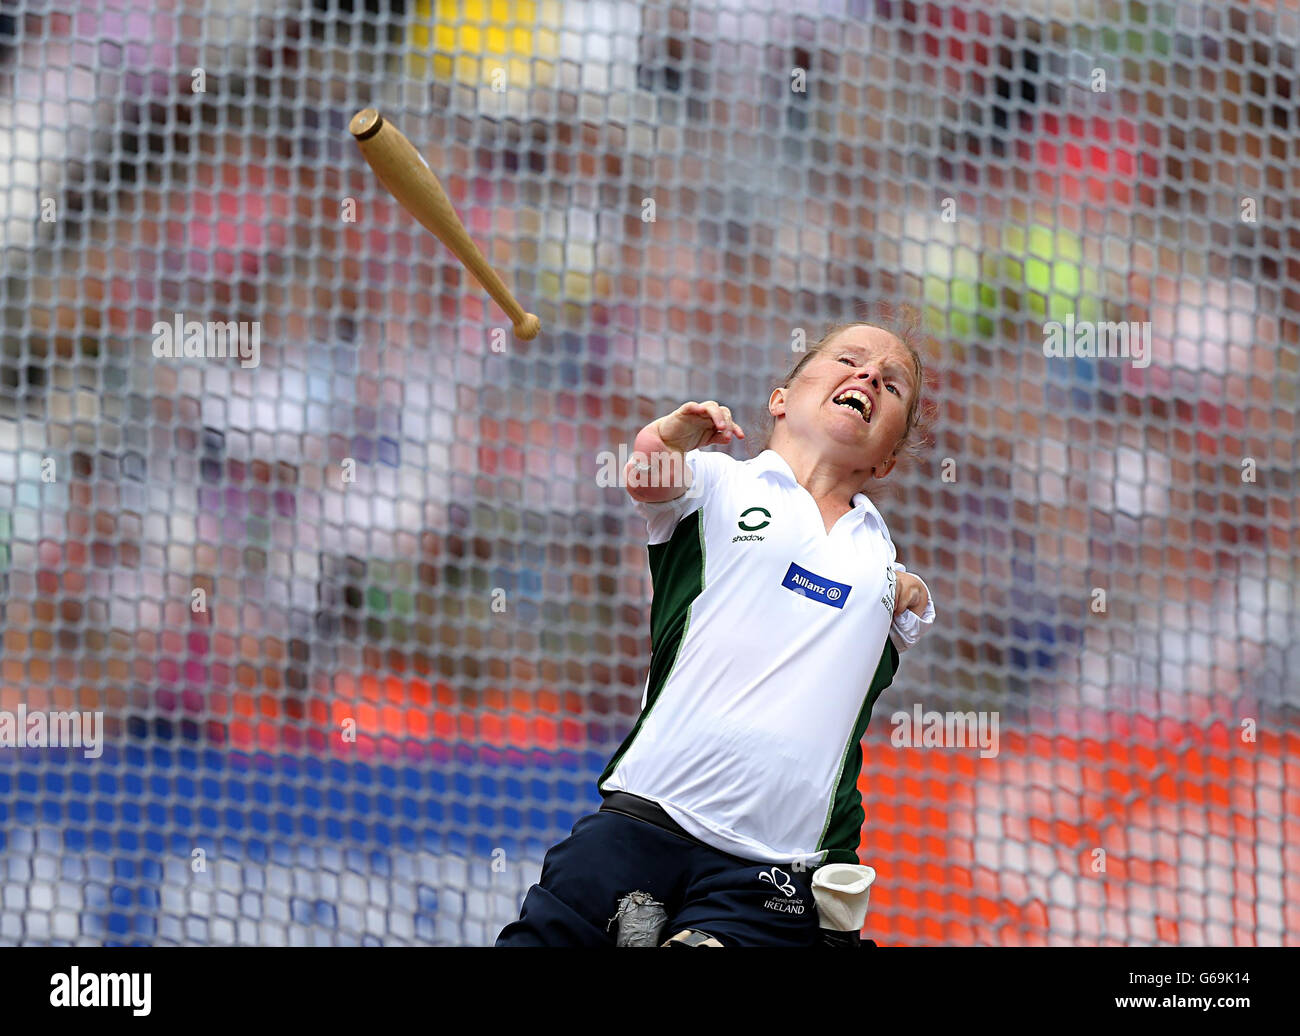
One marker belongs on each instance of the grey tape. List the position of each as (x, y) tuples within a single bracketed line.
[(640, 919)]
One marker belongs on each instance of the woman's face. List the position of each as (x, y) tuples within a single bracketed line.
[(851, 399)]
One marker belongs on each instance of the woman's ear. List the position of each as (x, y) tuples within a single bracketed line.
[(776, 402), (886, 468)]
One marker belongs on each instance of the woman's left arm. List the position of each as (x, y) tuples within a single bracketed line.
[(913, 609)]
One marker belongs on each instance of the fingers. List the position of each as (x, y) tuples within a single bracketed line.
[(724, 427)]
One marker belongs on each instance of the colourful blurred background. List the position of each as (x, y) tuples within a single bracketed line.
[(476, 603)]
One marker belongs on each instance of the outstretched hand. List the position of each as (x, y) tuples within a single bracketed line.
[(693, 425)]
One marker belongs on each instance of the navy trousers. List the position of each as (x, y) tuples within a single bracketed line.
[(607, 855)]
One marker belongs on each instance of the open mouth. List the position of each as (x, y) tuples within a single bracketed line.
[(855, 399)]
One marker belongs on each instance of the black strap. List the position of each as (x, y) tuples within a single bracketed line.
[(643, 809)]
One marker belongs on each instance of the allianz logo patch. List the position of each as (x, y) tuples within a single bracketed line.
[(815, 587)]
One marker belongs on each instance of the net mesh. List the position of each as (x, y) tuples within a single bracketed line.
[(363, 620)]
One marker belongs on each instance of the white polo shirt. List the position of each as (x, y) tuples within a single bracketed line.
[(770, 642)]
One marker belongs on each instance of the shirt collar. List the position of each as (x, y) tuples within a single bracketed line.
[(769, 462)]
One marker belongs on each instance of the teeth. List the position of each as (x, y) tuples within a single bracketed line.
[(862, 397)]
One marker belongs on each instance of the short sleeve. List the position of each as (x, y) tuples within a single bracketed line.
[(661, 518)]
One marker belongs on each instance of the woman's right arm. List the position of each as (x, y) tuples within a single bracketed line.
[(657, 469)]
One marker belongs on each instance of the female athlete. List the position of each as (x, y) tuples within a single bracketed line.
[(778, 615)]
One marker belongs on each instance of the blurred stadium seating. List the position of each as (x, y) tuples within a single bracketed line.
[(476, 603)]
